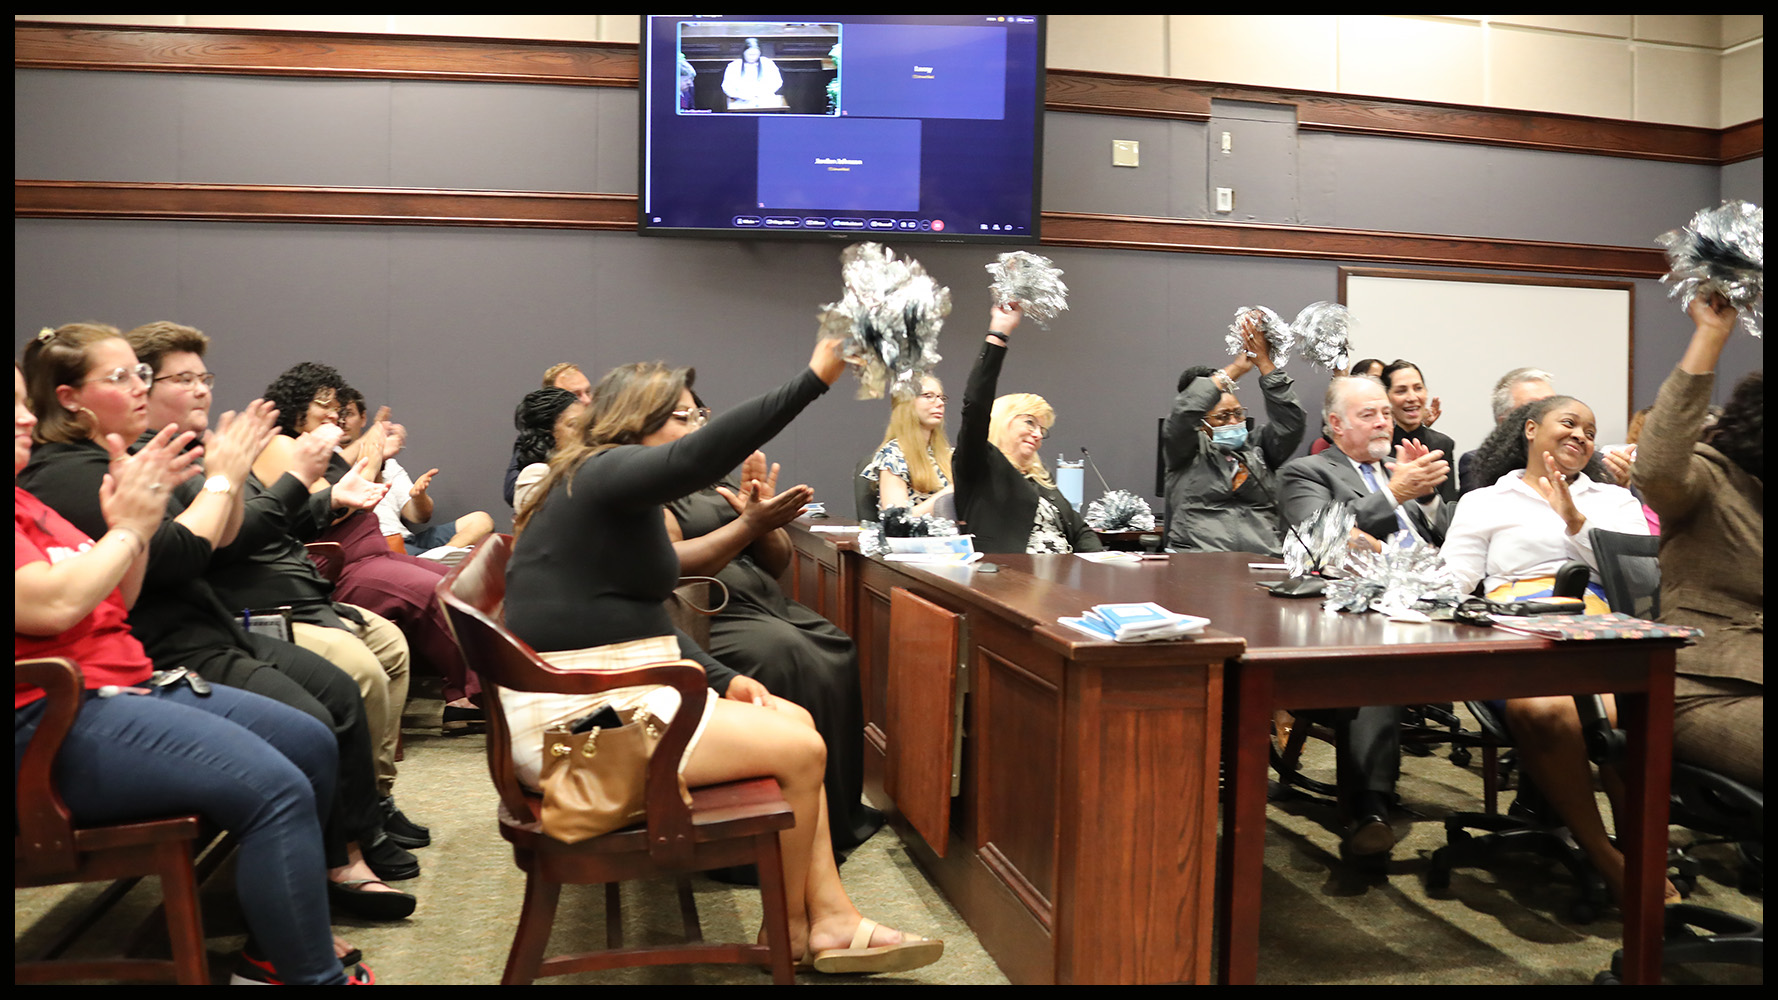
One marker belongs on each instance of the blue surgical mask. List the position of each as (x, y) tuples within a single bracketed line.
[(1229, 438)]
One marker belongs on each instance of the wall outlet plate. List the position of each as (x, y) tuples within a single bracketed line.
[(1125, 152), (1225, 199)]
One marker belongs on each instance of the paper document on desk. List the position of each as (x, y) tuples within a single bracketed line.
[(1144, 622), (951, 550), (1111, 557)]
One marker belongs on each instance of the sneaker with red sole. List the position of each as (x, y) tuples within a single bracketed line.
[(251, 971)]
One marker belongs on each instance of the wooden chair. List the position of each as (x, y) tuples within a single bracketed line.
[(731, 824), (49, 849), (329, 559)]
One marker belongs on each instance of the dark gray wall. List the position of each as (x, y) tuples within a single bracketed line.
[(451, 326)]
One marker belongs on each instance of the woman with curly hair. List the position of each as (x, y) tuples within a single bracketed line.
[(1711, 498), (542, 421), (1547, 493)]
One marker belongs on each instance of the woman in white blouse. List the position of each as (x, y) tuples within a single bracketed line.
[(1547, 493)]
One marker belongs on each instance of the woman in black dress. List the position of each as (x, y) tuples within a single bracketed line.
[(591, 568), (1004, 493), (736, 535)]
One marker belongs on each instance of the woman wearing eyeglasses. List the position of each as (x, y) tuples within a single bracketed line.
[(1004, 493), (912, 468), (1221, 477), (591, 567)]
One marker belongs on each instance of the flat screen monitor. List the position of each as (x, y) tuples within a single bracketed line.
[(842, 126)]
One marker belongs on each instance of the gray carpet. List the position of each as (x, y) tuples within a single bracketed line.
[(1323, 921)]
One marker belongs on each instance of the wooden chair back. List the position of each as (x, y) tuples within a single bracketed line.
[(49, 849)]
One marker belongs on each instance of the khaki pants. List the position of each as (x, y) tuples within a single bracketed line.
[(375, 655)]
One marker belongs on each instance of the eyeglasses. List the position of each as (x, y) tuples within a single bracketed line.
[(184, 380), (1222, 418), (936, 397), (1034, 424), (697, 416), (119, 376)]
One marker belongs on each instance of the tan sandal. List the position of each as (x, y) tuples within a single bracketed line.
[(911, 952)]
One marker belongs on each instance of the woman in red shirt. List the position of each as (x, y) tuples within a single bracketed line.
[(138, 749)]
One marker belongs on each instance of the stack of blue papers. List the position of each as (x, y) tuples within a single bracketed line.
[(1144, 622)]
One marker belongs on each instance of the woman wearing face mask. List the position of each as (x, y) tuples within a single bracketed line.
[(1004, 493), (1220, 475)]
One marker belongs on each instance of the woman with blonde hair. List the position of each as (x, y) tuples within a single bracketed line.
[(1004, 493), (912, 467), (591, 567)]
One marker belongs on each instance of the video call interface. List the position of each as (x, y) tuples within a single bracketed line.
[(879, 125)]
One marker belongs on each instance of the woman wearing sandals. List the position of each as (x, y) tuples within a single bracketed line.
[(591, 566)]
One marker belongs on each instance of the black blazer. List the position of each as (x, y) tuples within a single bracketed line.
[(1435, 441), (997, 502)]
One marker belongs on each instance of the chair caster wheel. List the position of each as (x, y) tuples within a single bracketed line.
[(1607, 979), (1461, 756)]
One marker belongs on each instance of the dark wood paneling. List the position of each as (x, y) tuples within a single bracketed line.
[(923, 657), (45, 45), (274, 203), (326, 54)]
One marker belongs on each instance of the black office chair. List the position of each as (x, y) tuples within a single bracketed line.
[(864, 491), (1530, 826), (1722, 809)]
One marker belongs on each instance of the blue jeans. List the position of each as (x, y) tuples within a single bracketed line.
[(246, 763)]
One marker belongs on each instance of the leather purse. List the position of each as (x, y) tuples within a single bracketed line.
[(597, 781)]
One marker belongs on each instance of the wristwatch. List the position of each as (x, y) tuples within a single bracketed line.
[(218, 484)]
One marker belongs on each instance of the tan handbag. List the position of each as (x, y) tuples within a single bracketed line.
[(597, 781)]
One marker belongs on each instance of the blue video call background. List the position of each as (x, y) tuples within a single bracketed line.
[(929, 129)]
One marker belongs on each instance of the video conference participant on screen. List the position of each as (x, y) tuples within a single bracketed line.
[(752, 81)]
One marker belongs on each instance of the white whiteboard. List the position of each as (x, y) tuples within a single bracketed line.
[(1466, 333)]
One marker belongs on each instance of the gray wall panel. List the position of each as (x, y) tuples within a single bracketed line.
[(96, 126), (264, 130)]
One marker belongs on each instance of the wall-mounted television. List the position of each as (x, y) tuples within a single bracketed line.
[(844, 126)]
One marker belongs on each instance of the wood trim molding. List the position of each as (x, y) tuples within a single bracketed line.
[(33, 199), (266, 203), (48, 45)]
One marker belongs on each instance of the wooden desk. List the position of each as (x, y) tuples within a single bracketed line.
[(1298, 656), (1294, 656), (1081, 844)]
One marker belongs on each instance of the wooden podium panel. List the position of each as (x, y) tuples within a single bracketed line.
[(924, 642)]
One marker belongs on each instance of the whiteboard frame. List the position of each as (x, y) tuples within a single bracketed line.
[(1612, 422)]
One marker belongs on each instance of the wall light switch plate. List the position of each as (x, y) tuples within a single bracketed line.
[(1225, 199), (1124, 152)]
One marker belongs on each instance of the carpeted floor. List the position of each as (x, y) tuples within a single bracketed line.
[(1323, 921)]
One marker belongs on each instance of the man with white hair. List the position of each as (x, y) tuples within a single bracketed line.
[(1356, 412), (1513, 390)]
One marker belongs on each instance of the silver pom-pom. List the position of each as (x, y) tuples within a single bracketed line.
[(1032, 281), (889, 318), (874, 536), (1322, 331), (1324, 335), (1120, 510), (1722, 251), (1319, 543), (1409, 574), (1279, 337)]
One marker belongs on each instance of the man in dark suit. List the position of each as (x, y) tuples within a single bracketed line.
[(1383, 498)]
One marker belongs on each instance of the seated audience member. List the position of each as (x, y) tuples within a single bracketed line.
[(591, 566), (912, 467), (1356, 414), (734, 532), (1220, 480), (1711, 499), (1414, 414), (267, 566), (1373, 367), (1003, 490), (543, 424), (1511, 537), (408, 503), (259, 769), (564, 376), (395, 585), (86, 387), (1511, 391)]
